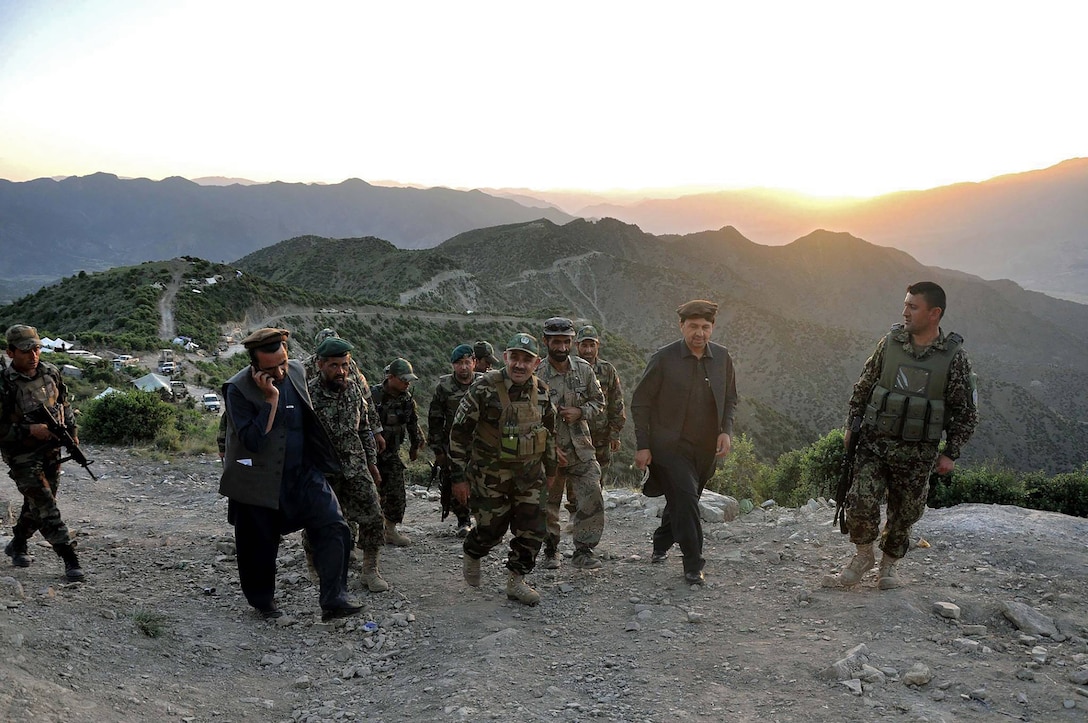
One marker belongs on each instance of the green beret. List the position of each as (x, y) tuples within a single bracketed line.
[(460, 352), (265, 337), (333, 346)]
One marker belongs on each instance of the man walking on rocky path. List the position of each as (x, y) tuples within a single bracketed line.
[(606, 426), (444, 402), (339, 404), (400, 420), (916, 387), (273, 474), (502, 453)]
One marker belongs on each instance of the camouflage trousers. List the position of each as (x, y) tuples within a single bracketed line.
[(582, 483), (391, 491), (604, 459), (37, 481), (358, 498), (898, 470), (508, 499)]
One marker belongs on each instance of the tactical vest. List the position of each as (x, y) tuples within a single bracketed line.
[(520, 435), (908, 401)]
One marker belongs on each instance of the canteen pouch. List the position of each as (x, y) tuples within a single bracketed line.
[(914, 422)]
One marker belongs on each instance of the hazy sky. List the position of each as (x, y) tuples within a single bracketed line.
[(823, 97)]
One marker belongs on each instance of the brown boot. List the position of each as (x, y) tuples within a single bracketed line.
[(371, 576), (517, 589), (394, 537), (470, 568), (863, 561), (887, 577)]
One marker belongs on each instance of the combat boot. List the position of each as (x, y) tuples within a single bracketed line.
[(16, 550), (517, 589), (551, 559), (863, 561), (464, 526), (887, 578), (470, 568), (395, 537), (371, 576), (72, 570)]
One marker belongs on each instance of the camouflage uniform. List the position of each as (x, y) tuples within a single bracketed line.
[(344, 416), (503, 494), (899, 468), (356, 373), (577, 387), (33, 464), (606, 427), (400, 418), (447, 396)]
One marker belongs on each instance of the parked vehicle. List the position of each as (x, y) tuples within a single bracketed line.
[(210, 402)]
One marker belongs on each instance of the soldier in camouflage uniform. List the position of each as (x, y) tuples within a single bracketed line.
[(400, 418), (339, 404), (606, 427), (447, 395), (578, 398), (917, 385), (502, 453), (483, 357), (30, 386), (311, 371)]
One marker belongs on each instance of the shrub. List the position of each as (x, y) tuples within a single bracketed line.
[(987, 484), (741, 474), (125, 418), (1066, 493)]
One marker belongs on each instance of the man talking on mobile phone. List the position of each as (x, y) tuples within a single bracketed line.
[(277, 454)]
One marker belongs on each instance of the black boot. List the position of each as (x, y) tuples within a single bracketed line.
[(72, 570), (16, 550)]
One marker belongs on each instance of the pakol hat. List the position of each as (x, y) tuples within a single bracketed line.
[(699, 308), (23, 337), (265, 337)]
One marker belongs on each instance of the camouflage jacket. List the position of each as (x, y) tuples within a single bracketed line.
[(959, 392), (375, 424), (606, 427), (399, 417), (20, 396), (577, 387), (343, 415), (447, 395), (481, 406)]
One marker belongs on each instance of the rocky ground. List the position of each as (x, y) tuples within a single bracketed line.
[(159, 631)]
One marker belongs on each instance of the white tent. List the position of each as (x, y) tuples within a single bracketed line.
[(152, 383)]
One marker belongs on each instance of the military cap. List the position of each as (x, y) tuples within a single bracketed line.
[(23, 337), (588, 332), (265, 337), (401, 369), (484, 350), (523, 342), (558, 326), (323, 335), (333, 346), (700, 308), (460, 352)]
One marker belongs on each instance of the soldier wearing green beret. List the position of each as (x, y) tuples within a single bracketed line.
[(371, 410), (447, 395)]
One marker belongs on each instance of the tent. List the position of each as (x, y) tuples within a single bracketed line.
[(152, 383)]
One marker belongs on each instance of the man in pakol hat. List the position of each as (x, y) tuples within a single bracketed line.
[(277, 455), (683, 409)]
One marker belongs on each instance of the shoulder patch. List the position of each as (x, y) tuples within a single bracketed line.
[(953, 338), (898, 326)]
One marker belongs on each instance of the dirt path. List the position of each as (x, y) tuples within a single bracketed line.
[(168, 330), (629, 642)]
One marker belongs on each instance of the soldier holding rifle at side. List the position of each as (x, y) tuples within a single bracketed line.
[(916, 387), (447, 395), (30, 387)]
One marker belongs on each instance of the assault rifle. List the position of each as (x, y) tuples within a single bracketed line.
[(441, 475), (64, 439), (845, 473)]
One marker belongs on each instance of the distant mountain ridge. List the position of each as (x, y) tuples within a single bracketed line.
[(100, 221)]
